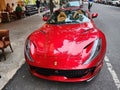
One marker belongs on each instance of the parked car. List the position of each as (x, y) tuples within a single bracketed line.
[(115, 2), (73, 4), (31, 9), (67, 48), (104, 1), (112, 2)]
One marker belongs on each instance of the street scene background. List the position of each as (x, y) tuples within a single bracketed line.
[(108, 21)]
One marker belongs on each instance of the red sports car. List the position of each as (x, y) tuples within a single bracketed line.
[(67, 48)]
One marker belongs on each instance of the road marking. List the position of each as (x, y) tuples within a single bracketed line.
[(112, 72)]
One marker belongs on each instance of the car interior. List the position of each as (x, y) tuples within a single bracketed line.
[(61, 17)]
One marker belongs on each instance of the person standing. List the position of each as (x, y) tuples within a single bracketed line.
[(45, 4), (60, 3), (51, 6), (13, 7), (90, 3), (38, 5), (82, 2)]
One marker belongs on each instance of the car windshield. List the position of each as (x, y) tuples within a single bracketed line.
[(68, 17), (74, 3)]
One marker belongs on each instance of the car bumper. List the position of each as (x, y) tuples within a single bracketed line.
[(69, 76)]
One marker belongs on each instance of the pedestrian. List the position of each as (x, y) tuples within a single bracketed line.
[(13, 13), (23, 9), (82, 2), (45, 2), (8, 8), (18, 11), (38, 5), (60, 3), (90, 3), (13, 7), (45, 5), (51, 6)]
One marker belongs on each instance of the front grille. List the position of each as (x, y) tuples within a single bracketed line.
[(66, 73)]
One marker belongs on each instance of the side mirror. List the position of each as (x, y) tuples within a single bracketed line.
[(45, 18), (94, 15)]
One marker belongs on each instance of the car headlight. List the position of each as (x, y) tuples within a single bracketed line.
[(28, 50), (95, 50)]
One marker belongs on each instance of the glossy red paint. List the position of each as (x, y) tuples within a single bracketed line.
[(65, 79), (65, 47)]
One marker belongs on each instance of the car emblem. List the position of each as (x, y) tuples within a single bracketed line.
[(55, 63)]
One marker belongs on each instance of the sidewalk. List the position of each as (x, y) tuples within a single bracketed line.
[(19, 30)]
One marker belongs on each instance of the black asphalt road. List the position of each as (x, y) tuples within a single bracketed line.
[(109, 22)]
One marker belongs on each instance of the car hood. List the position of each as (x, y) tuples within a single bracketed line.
[(63, 46)]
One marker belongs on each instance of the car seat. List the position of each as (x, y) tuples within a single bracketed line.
[(61, 17)]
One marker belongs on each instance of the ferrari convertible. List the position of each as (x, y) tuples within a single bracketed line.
[(67, 48)]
